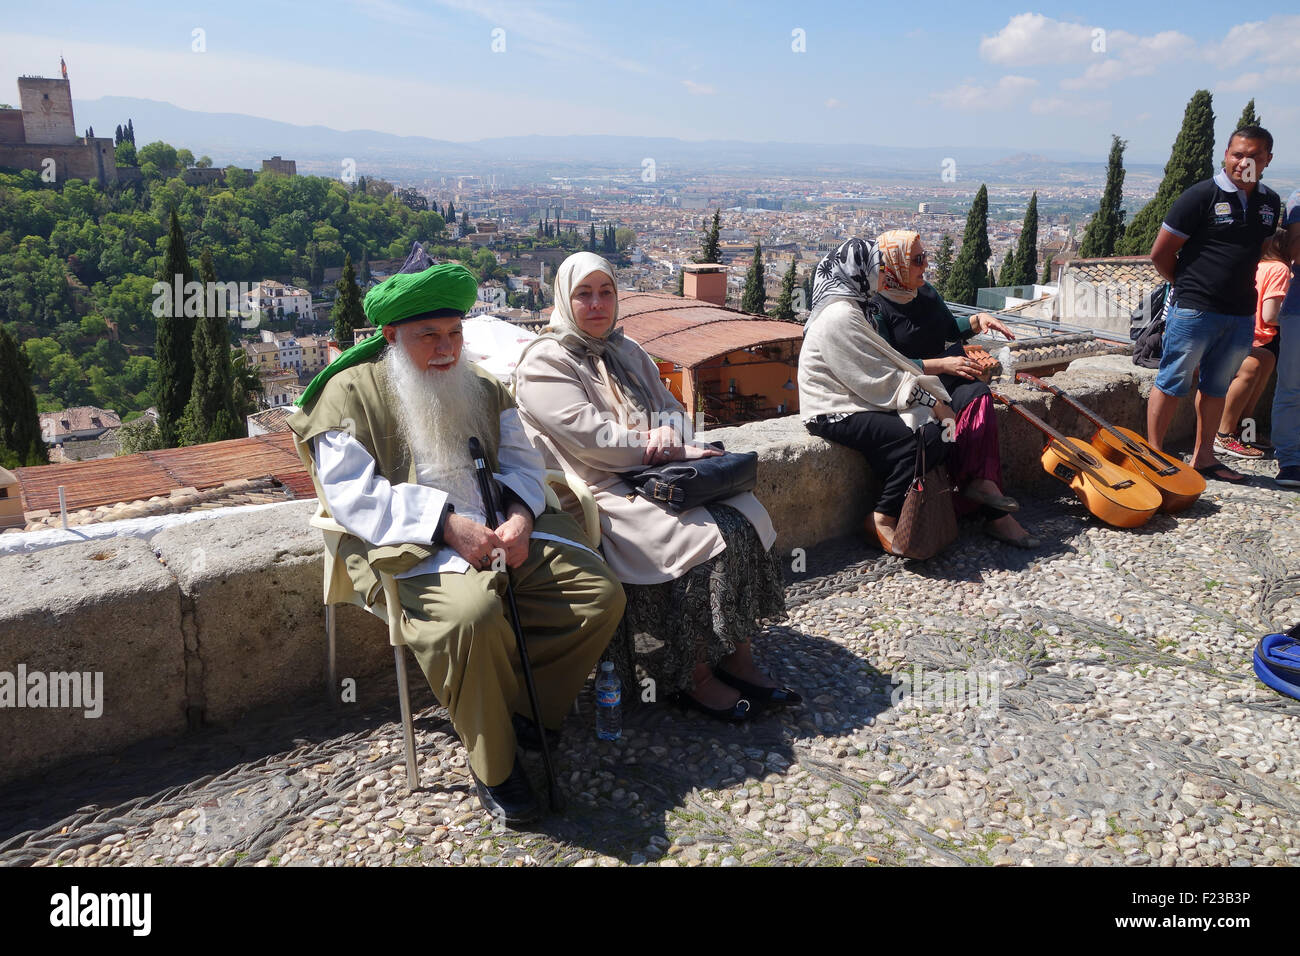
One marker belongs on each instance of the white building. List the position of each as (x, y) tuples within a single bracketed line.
[(289, 351), (269, 297)]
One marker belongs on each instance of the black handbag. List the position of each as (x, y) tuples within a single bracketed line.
[(682, 485)]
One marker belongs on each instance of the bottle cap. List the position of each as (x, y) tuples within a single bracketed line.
[(607, 666)]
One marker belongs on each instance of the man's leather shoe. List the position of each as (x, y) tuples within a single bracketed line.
[(511, 801), (526, 734)]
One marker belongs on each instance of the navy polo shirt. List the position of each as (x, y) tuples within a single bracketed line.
[(1224, 229)]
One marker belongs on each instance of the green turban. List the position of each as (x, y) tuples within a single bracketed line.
[(448, 287)]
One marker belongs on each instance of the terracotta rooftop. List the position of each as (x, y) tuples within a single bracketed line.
[(150, 474), (274, 419), (80, 419), (1115, 271), (689, 332)]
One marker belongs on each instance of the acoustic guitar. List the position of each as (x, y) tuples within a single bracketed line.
[(1179, 483), (1115, 495)]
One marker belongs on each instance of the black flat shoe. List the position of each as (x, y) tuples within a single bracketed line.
[(764, 696), (526, 734), (739, 712), (512, 801)]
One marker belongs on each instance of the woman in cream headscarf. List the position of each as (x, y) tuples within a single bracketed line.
[(593, 403)]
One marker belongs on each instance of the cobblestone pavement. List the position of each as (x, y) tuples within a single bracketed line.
[(1107, 714)]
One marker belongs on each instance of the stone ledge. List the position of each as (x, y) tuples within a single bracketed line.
[(211, 619)]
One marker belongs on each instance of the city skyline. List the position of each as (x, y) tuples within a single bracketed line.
[(995, 77)]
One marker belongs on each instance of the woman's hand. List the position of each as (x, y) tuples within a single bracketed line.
[(943, 413), (702, 451), (663, 445), (982, 322), (960, 365)]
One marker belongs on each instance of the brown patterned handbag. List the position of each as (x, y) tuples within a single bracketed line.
[(927, 523)]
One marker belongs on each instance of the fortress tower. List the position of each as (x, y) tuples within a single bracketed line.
[(47, 111)]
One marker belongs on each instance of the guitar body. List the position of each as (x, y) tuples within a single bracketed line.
[(1130, 505), (1178, 490)]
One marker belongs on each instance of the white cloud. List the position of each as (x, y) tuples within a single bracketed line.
[(698, 89), (1275, 40), (833, 104), (1031, 38), (1006, 92), (1263, 81)]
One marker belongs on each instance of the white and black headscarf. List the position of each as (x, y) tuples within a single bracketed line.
[(850, 272)]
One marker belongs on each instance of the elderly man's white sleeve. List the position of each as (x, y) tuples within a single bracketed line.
[(366, 504), (523, 470)]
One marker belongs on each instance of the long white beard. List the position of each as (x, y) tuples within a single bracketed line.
[(437, 413)]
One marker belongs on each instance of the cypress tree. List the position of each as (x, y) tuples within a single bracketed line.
[(591, 239), (1046, 277), (784, 309), (174, 347), (1106, 229), (464, 223), (1010, 269), (680, 291), (1248, 116), (317, 270), (709, 251), (1026, 270), (1190, 161), (755, 296), (20, 425), (943, 265), (130, 131), (117, 134), (808, 288), (210, 414), (970, 269), (451, 211), (540, 232), (347, 314), (365, 267)]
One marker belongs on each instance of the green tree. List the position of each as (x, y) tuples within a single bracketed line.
[(247, 385), (125, 154), (709, 251), (1026, 260), (1046, 278), (755, 295), (365, 268), (1190, 161), (347, 314), (1010, 269), (1248, 116), (20, 425), (784, 309), (174, 346), (1106, 228), (591, 239), (943, 265), (210, 414), (970, 269), (143, 434)]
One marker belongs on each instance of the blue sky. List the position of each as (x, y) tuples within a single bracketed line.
[(1062, 76)]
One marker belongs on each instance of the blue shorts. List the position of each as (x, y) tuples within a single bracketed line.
[(1214, 342)]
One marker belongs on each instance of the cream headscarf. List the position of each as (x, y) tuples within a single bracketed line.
[(897, 247), (623, 358)]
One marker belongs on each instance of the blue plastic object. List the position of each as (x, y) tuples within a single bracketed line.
[(1277, 662)]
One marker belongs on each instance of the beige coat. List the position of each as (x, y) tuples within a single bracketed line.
[(577, 419)]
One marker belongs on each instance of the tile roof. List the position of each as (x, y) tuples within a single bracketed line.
[(80, 419), (689, 332), (1115, 271), (274, 419), (152, 473)]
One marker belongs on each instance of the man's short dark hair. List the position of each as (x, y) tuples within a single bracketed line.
[(1253, 132)]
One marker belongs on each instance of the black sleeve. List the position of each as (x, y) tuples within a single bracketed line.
[(441, 526), (1188, 210)]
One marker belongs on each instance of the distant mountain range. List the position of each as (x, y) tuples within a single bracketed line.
[(234, 138)]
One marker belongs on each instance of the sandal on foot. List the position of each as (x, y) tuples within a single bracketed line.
[(764, 696), (737, 713), (1221, 472)]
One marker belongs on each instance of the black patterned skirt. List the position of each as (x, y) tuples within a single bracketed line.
[(703, 614)]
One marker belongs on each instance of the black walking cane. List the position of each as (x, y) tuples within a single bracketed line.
[(487, 487)]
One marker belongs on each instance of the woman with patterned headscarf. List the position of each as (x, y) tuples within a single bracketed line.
[(698, 582), (913, 318), (856, 390)]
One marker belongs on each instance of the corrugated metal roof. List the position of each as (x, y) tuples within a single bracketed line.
[(689, 332), (141, 476)]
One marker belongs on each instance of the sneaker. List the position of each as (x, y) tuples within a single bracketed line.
[(1288, 476), (1231, 446), (1265, 448)]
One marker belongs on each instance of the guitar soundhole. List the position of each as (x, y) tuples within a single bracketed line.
[(1064, 473)]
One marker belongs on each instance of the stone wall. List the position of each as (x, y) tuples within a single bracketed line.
[(205, 621)]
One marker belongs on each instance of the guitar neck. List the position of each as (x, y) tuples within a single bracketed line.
[(1089, 414), (1065, 448)]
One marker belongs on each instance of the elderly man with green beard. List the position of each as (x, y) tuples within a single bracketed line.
[(385, 429)]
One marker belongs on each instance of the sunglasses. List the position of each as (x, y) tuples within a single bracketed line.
[(920, 259)]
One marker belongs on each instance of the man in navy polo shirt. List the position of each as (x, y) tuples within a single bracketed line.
[(1208, 248), (1286, 400)]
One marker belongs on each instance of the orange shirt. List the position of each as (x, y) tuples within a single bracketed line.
[(1271, 280)]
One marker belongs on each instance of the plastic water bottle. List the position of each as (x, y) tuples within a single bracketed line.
[(1008, 365), (609, 698)]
